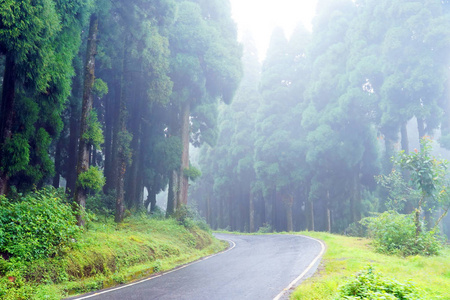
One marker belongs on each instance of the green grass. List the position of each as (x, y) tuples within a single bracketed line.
[(106, 255), (345, 256)]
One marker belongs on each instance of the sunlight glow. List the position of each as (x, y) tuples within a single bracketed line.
[(260, 17)]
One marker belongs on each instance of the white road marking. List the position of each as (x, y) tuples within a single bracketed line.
[(233, 244), (311, 265)]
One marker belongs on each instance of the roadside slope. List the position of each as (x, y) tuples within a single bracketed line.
[(107, 255)]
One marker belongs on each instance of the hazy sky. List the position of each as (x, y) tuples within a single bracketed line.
[(261, 16)]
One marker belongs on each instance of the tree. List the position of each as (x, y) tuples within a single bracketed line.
[(38, 40), (428, 175), (83, 151), (205, 67)]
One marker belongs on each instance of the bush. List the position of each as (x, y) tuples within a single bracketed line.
[(266, 228), (370, 285), (189, 217), (37, 226), (395, 233)]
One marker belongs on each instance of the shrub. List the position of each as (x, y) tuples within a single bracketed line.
[(368, 284), (395, 233), (189, 217), (37, 226), (266, 228)]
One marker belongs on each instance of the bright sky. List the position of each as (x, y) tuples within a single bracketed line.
[(260, 17)]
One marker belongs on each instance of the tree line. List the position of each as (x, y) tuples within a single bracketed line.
[(311, 128), (107, 94)]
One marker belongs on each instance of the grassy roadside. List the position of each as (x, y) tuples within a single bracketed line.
[(346, 256), (106, 255)]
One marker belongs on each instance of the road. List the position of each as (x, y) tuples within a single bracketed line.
[(257, 267)]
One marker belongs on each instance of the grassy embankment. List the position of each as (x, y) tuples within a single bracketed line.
[(345, 256), (110, 254)]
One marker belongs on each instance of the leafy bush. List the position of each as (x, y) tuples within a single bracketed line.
[(266, 228), (37, 226), (370, 285), (395, 233)]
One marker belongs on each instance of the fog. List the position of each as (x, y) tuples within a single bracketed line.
[(321, 115)]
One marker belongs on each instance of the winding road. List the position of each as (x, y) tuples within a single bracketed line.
[(256, 267)]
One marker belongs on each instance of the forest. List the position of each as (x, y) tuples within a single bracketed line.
[(99, 97), (105, 98), (314, 136)]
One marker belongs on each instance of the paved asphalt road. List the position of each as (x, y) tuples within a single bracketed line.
[(257, 268)]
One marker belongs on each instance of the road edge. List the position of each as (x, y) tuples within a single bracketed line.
[(310, 266), (232, 245)]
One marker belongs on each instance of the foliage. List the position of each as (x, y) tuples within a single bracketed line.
[(101, 204), (91, 179), (94, 133), (15, 154), (399, 192), (100, 88), (38, 226), (369, 284), (395, 233), (266, 228), (192, 173), (125, 151), (427, 172), (106, 255), (189, 217)]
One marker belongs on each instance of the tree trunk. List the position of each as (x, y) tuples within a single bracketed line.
[(208, 208), (251, 213), (73, 142), (7, 113), (172, 194), (420, 128), (108, 132), (389, 152), (405, 141), (409, 206), (289, 203), (311, 215), (122, 141), (58, 160), (83, 149), (152, 197), (355, 198), (230, 213), (135, 127), (183, 181), (221, 221), (328, 212), (113, 175)]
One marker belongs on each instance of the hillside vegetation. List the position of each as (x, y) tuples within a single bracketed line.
[(107, 254)]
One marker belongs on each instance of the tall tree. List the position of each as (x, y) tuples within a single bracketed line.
[(205, 68), (83, 148)]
